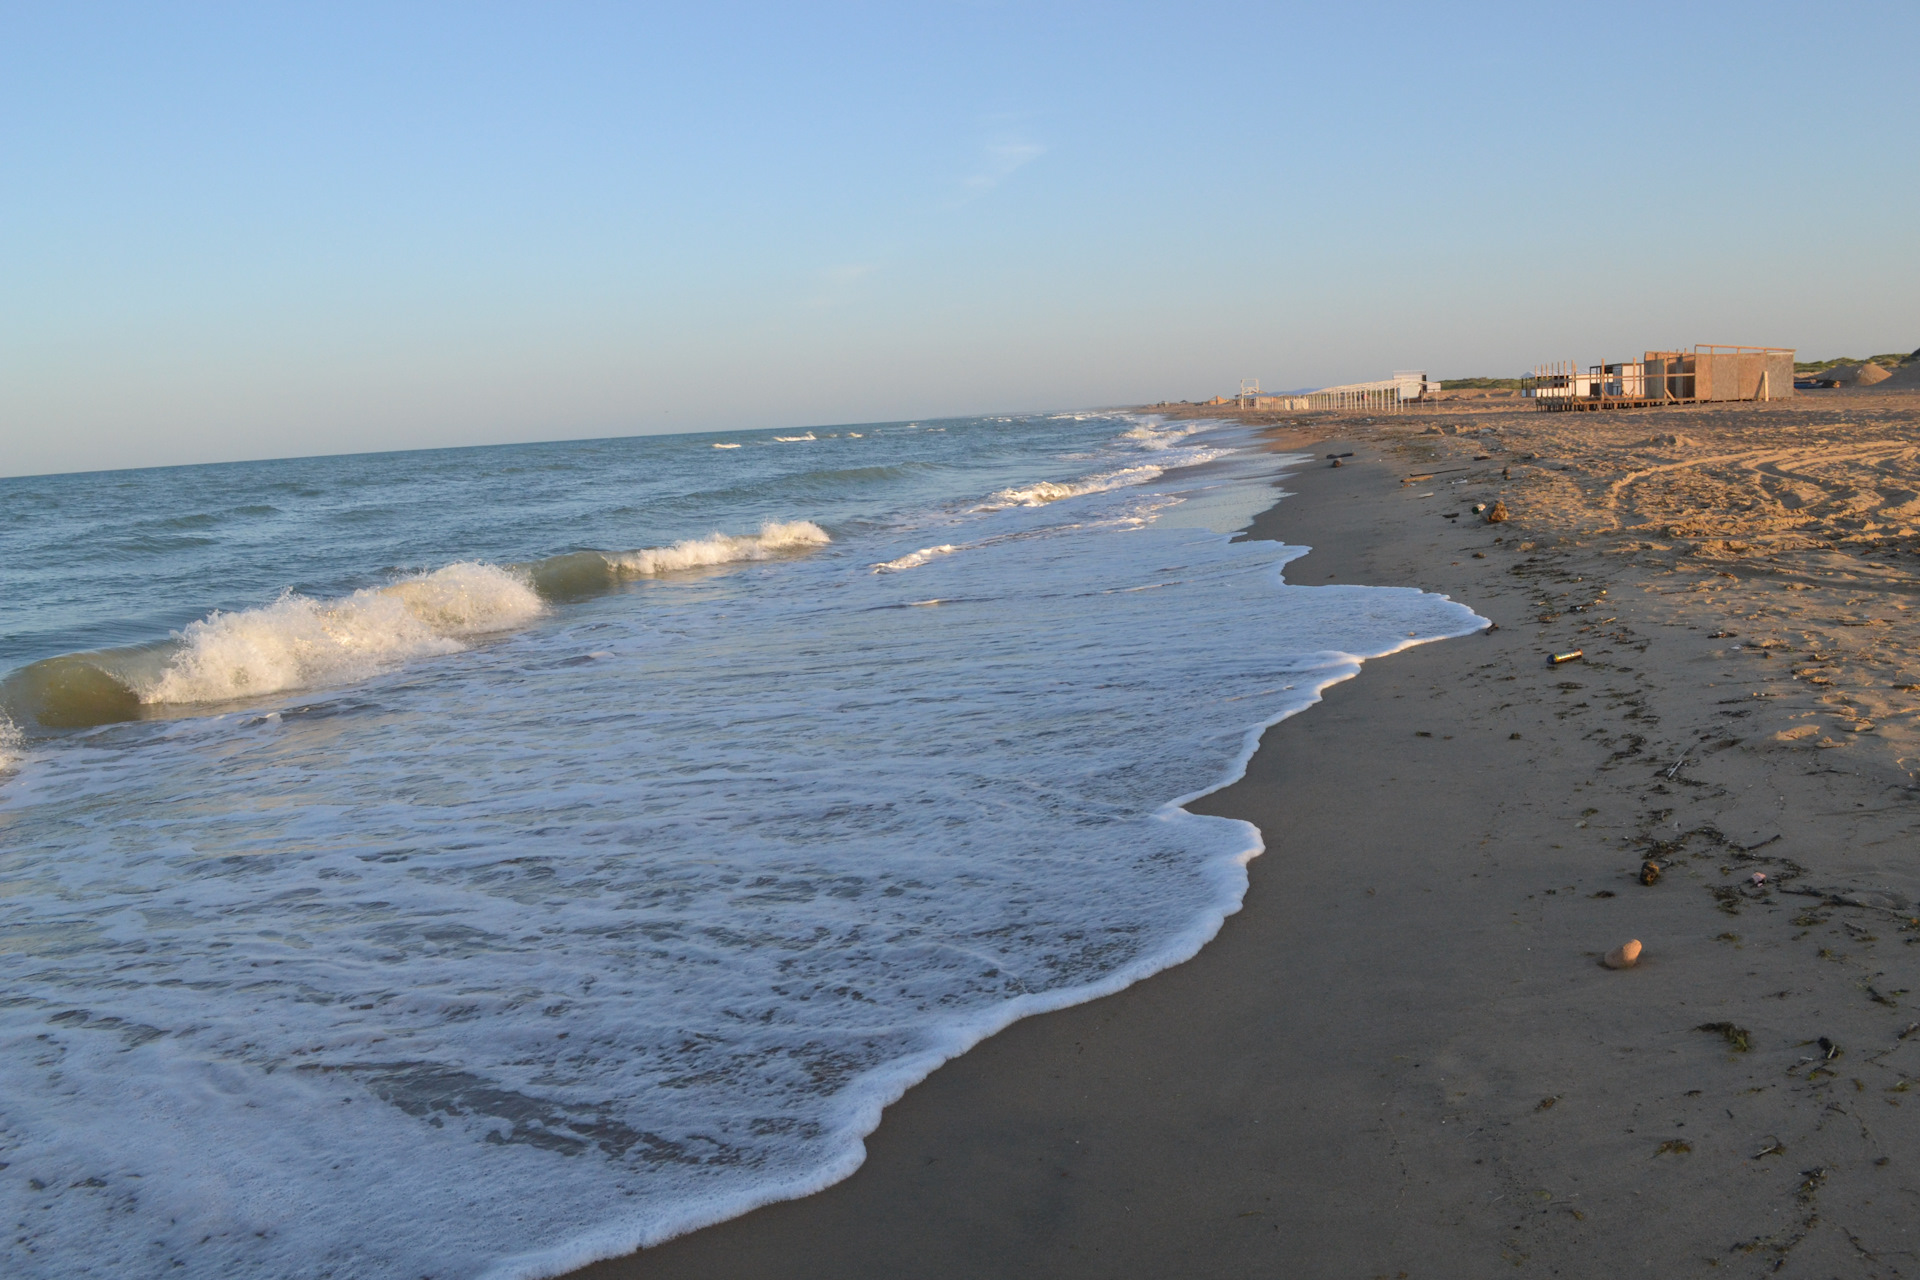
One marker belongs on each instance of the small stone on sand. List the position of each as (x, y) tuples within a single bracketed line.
[(1624, 956)]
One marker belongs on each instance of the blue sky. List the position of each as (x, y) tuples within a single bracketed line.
[(238, 231)]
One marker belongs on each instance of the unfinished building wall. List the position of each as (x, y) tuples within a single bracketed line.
[(1779, 368), (1745, 375)]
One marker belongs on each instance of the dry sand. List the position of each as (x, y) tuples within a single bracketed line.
[(1403, 1058)]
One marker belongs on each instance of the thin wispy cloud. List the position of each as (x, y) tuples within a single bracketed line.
[(1000, 160)]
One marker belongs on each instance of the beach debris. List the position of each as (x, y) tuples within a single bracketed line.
[(1336, 462), (1478, 507), (1829, 1049), (1676, 766), (1604, 893), (1774, 1147), (1888, 900), (1497, 513), (1571, 655), (1624, 956), (1737, 1037), (1546, 1104), (1674, 1146), (1758, 877), (1650, 872), (1337, 456)]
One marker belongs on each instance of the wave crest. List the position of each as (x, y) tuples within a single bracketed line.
[(1164, 435), (1039, 495), (914, 559), (719, 548), (297, 641)]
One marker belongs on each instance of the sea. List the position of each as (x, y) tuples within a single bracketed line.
[(477, 862)]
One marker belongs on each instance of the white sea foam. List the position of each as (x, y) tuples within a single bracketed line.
[(794, 439), (913, 560), (1045, 491), (774, 538), (298, 642), (12, 746), (1156, 434), (726, 446)]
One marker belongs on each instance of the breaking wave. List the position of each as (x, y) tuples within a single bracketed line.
[(299, 642), (913, 560), (580, 574), (1164, 435), (1038, 495), (720, 548), (12, 748), (296, 642)]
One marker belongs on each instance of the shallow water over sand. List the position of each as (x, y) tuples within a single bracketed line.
[(442, 918)]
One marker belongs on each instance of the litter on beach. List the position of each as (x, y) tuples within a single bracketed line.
[(1570, 655)]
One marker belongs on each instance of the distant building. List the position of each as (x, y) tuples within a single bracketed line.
[(1707, 374), (1387, 394)]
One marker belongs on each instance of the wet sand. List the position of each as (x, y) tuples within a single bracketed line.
[(1402, 1058)]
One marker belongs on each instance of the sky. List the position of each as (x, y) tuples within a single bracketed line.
[(249, 231)]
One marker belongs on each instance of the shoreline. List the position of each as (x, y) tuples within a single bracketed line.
[(1400, 1055)]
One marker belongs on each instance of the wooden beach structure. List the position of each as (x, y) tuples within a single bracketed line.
[(1710, 373)]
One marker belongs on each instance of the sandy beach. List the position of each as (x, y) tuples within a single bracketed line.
[(1403, 1057)]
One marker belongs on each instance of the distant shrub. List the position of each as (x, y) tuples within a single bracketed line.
[(1887, 361)]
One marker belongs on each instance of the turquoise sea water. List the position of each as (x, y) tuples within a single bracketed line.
[(475, 862)]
